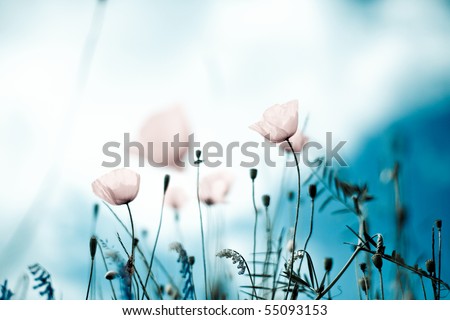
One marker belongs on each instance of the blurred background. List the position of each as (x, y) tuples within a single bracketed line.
[(75, 75)]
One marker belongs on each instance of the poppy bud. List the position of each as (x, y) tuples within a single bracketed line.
[(363, 267), (166, 182), (377, 261), (253, 174), (328, 264), (266, 200), (93, 246), (312, 191), (111, 275), (96, 209), (291, 196), (439, 224), (429, 264)]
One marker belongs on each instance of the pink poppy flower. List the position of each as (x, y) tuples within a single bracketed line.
[(176, 197), (159, 131), (215, 187), (298, 141), (279, 122), (117, 187)]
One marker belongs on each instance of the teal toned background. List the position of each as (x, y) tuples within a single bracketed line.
[(77, 74)]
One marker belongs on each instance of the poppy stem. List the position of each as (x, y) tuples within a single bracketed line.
[(381, 284), (90, 278), (296, 216), (131, 260), (310, 232), (132, 231), (202, 233), (106, 270), (156, 242), (254, 231)]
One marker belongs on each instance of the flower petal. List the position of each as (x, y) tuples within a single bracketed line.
[(117, 187)]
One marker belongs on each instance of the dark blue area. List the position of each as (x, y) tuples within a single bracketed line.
[(419, 143)]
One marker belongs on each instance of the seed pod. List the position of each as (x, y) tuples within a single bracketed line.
[(312, 191), (253, 173), (380, 244), (429, 264), (93, 246), (191, 260), (364, 284), (111, 275), (291, 196), (169, 290), (377, 261), (266, 200), (96, 209), (439, 224), (328, 264), (363, 267), (166, 182), (198, 154)]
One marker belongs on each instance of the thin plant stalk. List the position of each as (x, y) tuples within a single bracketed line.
[(328, 283), (367, 287), (135, 270), (296, 216), (275, 270), (381, 284), (132, 232), (407, 267), (136, 287), (311, 225), (254, 229), (144, 259), (205, 277), (251, 279), (268, 244), (356, 277), (156, 242), (439, 264), (141, 253), (423, 288), (339, 275), (277, 217), (131, 259), (434, 262), (90, 278), (106, 268), (310, 231)]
